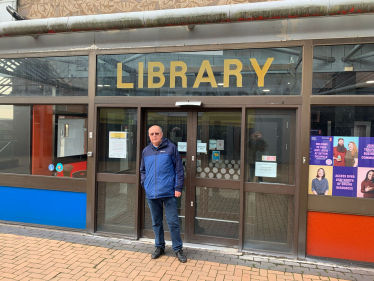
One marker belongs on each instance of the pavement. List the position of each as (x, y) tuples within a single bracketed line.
[(30, 253)]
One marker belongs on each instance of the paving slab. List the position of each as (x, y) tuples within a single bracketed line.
[(29, 253)]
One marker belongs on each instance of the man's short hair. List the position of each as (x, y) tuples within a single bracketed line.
[(156, 126), (340, 139)]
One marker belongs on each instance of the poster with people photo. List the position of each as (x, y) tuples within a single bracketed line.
[(341, 166)]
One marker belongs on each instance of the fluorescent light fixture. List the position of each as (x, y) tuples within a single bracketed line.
[(266, 90), (100, 85), (370, 82), (106, 85), (188, 103), (220, 84)]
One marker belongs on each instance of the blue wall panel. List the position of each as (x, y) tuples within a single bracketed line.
[(48, 207)]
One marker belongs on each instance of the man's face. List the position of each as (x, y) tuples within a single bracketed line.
[(155, 135), (341, 142)]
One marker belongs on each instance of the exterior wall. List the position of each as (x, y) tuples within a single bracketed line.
[(39, 9), (45, 207)]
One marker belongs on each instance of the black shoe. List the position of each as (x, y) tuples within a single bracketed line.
[(158, 253), (181, 257)]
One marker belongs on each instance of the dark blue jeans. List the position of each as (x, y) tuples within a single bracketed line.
[(171, 211)]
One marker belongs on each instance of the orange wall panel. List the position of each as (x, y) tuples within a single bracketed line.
[(42, 139), (340, 236)]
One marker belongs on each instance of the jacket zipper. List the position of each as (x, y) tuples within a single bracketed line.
[(155, 174)]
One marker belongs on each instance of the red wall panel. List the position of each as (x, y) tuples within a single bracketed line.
[(42, 139), (340, 236)]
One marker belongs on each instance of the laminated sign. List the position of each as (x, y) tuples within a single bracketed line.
[(117, 145)]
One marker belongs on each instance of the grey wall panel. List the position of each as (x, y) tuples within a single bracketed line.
[(342, 205), (285, 30), (47, 43)]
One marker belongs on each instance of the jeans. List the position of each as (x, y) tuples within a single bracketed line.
[(171, 211)]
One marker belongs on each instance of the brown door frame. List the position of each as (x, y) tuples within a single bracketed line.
[(288, 189), (191, 179), (107, 177)]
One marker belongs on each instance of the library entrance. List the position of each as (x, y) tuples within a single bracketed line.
[(209, 145), (226, 200)]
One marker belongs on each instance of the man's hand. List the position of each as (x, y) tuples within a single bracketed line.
[(178, 194)]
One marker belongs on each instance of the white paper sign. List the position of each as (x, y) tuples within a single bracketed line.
[(182, 146), (212, 144), (201, 147), (117, 145), (220, 144), (266, 169)]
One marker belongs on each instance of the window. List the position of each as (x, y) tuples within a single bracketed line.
[(343, 70), (52, 76), (342, 151), (275, 71), (48, 140)]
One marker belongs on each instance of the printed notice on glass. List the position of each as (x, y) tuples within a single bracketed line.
[(182, 146), (220, 144), (216, 155), (201, 147), (266, 169), (117, 145), (269, 158), (212, 144)]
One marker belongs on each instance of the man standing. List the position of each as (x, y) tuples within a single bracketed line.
[(162, 177), (339, 153)]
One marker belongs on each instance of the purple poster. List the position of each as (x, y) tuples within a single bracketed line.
[(320, 151), (344, 181), (366, 152)]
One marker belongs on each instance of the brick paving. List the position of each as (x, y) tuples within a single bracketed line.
[(28, 253)]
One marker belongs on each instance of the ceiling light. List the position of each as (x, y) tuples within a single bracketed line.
[(266, 90), (220, 84), (370, 82), (106, 85), (100, 85)]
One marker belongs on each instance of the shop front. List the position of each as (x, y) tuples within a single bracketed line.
[(254, 123), (238, 159)]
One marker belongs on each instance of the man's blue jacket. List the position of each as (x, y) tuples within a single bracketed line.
[(161, 170)]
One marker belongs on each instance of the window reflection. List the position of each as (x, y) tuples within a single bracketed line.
[(218, 145), (270, 146), (50, 76), (48, 140), (343, 70)]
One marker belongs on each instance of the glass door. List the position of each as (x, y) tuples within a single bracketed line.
[(215, 177), (270, 180), (116, 170), (174, 126)]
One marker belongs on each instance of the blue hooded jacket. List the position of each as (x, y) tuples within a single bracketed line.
[(161, 170)]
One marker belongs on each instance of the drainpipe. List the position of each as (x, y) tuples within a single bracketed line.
[(189, 16)]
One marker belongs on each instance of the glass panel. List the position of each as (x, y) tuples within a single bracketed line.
[(116, 207), (117, 140), (268, 222), (174, 127), (218, 145), (275, 71), (53, 76), (343, 70), (341, 161), (46, 140), (15, 136), (217, 212), (181, 213), (269, 147)]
